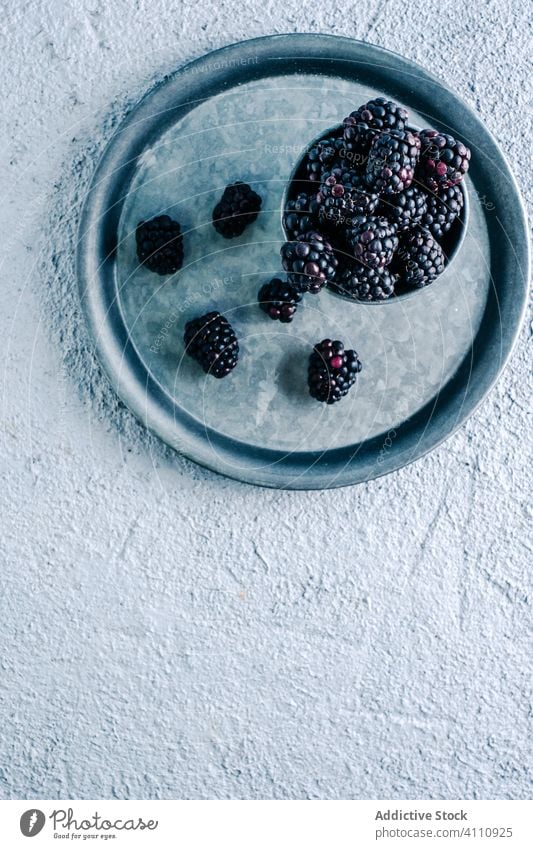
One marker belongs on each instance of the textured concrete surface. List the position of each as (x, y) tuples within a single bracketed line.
[(169, 633)]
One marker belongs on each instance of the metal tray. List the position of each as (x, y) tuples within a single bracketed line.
[(246, 112)]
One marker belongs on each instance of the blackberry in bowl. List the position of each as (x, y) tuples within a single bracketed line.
[(373, 118), (392, 160), (309, 261), (444, 161), (343, 193), (368, 185), (372, 240), (301, 214), (361, 283)]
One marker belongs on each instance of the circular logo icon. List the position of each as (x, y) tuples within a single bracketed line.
[(32, 822)]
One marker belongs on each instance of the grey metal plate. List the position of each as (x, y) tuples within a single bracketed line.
[(245, 112)]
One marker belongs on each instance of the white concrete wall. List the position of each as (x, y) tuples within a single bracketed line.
[(166, 632)]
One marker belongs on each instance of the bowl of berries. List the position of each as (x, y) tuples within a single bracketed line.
[(380, 206)]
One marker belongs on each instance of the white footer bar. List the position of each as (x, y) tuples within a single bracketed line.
[(237, 824)]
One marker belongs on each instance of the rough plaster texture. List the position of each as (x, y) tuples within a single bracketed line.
[(169, 633)]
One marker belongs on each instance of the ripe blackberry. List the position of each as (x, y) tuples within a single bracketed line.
[(372, 118), (443, 160), (212, 342), (406, 208), (321, 155), (372, 240), (279, 300), (343, 193), (301, 215), (419, 260), (160, 244), (442, 210), (332, 371), (238, 207), (309, 262), (392, 160), (365, 284)]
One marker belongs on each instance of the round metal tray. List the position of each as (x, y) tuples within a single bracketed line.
[(245, 112)]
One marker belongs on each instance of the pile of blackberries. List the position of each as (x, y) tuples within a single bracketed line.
[(383, 197)]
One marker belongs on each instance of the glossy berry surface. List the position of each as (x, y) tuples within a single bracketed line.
[(392, 160), (365, 284), (211, 341), (279, 300), (405, 209), (419, 260), (332, 371), (322, 154), (372, 240), (309, 261), (343, 193), (444, 161), (377, 116), (442, 210), (301, 215)]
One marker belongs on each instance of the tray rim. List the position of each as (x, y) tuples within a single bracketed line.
[(125, 369)]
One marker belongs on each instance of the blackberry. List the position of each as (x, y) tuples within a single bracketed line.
[(332, 371), (309, 262), (406, 208), (279, 300), (343, 193), (372, 118), (365, 284), (443, 160), (442, 210), (321, 155), (419, 260), (160, 244), (212, 342), (238, 207), (392, 160), (372, 240), (301, 215)]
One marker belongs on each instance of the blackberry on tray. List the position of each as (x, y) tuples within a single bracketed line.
[(279, 300), (211, 341), (237, 208), (332, 371), (160, 244)]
